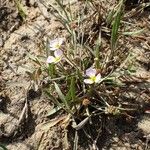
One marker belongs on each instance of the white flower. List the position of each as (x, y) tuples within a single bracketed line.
[(56, 44), (58, 54), (93, 78)]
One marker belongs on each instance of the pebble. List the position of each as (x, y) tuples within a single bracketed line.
[(127, 144), (135, 146), (5, 78), (10, 76), (4, 57), (7, 71), (115, 139), (1, 41), (149, 17), (23, 61), (144, 124), (17, 58)]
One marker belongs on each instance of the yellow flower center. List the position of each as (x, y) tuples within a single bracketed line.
[(93, 78), (57, 59), (57, 46)]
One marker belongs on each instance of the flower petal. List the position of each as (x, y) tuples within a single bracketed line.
[(58, 53), (55, 44), (60, 41), (91, 72), (88, 81), (50, 59), (98, 78)]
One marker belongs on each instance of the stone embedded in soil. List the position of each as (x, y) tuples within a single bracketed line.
[(1, 41), (19, 145), (144, 124), (115, 139)]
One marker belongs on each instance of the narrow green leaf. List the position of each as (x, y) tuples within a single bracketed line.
[(115, 28), (61, 96), (68, 96), (97, 51), (63, 9), (71, 95), (53, 111), (110, 17), (2, 147), (20, 9), (134, 33), (72, 87), (116, 24), (51, 70)]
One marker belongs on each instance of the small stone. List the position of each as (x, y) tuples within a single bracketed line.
[(139, 147), (16, 59), (149, 17), (115, 139), (4, 57), (144, 124), (8, 71), (10, 76), (135, 146), (1, 41), (23, 61), (127, 144)]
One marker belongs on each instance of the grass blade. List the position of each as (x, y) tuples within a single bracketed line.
[(76, 139), (20, 9), (110, 17), (81, 124), (61, 96), (53, 111), (134, 33), (115, 27), (114, 34), (2, 147), (51, 70), (63, 9), (97, 51), (73, 90)]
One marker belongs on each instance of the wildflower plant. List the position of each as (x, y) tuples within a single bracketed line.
[(68, 61), (68, 72)]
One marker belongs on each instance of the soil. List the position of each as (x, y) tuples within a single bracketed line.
[(19, 38)]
